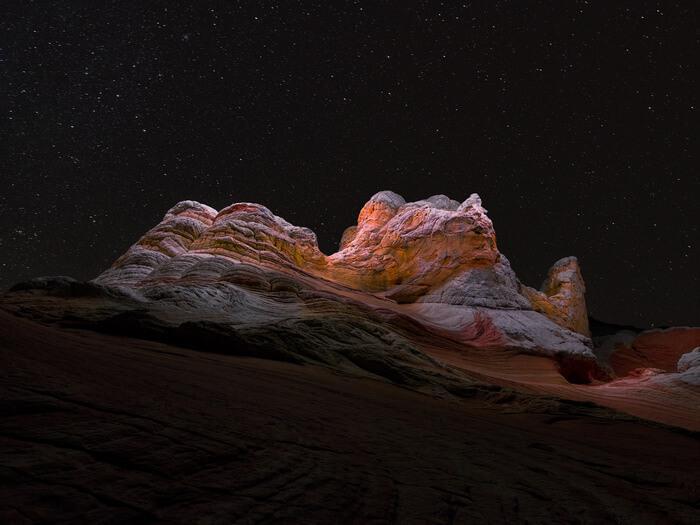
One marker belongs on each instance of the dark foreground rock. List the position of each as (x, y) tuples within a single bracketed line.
[(97, 428)]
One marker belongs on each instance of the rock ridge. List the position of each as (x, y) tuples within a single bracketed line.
[(435, 250)]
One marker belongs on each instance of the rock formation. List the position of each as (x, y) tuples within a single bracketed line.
[(100, 374), (406, 249), (434, 261), (398, 248), (562, 296), (418, 294)]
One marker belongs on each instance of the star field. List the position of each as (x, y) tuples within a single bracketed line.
[(577, 123)]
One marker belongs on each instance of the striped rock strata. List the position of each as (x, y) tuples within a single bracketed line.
[(431, 251), (433, 261)]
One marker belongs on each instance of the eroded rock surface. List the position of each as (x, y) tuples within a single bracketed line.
[(409, 248), (562, 296)]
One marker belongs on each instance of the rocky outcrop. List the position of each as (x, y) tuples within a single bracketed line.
[(398, 248), (407, 273), (251, 232), (562, 296), (173, 236), (435, 250), (406, 249)]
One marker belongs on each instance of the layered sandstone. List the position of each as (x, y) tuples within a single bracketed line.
[(406, 249), (562, 296), (182, 225), (435, 250)]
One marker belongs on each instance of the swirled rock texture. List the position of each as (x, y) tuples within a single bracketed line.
[(406, 249), (562, 296), (398, 248), (433, 251), (182, 225)]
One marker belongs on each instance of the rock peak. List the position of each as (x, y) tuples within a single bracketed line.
[(562, 296), (389, 198)]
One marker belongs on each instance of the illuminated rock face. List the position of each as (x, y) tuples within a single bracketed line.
[(435, 250), (251, 232), (406, 249), (182, 225), (434, 261), (409, 248), (562, 296), (398, 248)]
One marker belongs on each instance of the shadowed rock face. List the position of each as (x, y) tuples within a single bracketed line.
[(659, 352)]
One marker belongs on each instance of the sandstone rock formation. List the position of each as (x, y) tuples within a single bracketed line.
[(562, 296), (249, 275), (431, 251), (399, 247), (438, 257), (405, 249), (182, 225), (417, 294)]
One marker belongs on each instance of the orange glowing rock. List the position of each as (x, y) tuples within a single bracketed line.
[(435, 250), (562, 296), (414, 245)]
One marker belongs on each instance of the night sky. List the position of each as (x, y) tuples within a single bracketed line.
[(576, 122)]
